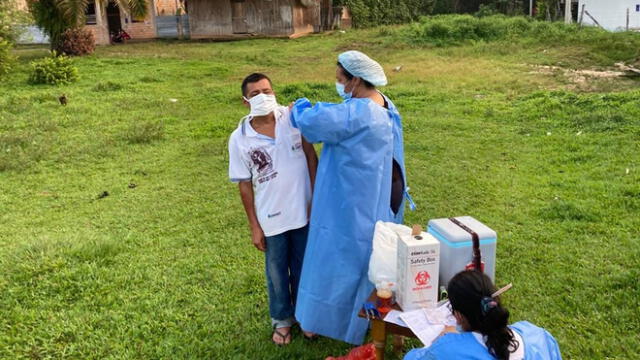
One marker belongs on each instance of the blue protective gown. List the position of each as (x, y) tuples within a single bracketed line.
[(352, 191), (538, 345)]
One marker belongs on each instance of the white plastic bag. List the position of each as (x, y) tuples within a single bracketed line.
[(383, 261)]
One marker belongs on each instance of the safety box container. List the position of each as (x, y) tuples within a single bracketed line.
[(418, 257)]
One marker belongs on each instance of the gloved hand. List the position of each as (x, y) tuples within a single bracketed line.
[(364, 352)]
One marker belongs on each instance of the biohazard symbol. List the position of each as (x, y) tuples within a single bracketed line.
[(422, 278)]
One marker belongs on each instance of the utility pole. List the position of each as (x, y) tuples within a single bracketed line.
[(567, 12), (531, 8)]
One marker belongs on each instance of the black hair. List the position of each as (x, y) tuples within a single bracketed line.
[(350, 76), (470, 294), (253, 78)]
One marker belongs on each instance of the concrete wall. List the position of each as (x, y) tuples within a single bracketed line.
[(612, 14), (31, 34)]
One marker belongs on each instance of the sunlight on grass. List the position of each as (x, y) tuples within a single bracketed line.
[(121, 236)]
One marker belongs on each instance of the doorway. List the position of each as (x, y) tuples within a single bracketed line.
[(113, 18), (239, 17)]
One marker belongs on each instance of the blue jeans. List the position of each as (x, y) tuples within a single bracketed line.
[(283, 260)]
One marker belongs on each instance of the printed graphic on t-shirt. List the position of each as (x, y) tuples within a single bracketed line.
[(263, 164)]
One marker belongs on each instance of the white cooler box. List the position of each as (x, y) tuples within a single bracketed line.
[(456, 246)]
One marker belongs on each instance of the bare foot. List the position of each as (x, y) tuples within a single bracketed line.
[(281, 336)]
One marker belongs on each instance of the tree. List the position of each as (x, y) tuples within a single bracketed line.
[(54, 17), (8, 35), (509, 7), (367, 13)]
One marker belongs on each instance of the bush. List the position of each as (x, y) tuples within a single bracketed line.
[(6, 59), (54, 70), (7, 36), (367, 13), (77, 42), (444, 30)]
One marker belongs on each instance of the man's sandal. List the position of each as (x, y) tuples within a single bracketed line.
[(283, 336), (313, 337)]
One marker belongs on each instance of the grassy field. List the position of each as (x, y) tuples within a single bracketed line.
[(163, 266)]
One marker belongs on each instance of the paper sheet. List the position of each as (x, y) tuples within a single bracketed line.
[(394, 317), (427, 324), (441, 315), (418, 323)]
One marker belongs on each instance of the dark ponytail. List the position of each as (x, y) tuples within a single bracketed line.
[(470, 294)]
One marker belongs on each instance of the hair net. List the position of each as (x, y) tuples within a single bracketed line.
[(362, 66)]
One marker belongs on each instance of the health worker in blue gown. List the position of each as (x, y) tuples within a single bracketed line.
[(482, 331), (360, 180)]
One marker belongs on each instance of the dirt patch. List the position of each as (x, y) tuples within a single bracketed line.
[(582, 78)]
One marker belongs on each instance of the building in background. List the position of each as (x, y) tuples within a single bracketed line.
[(213, 19), (109, 19), (238, 18)]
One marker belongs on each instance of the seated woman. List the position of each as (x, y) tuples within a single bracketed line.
[(482, 330)]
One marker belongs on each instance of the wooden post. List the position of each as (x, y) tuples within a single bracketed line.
[(567, 12), (582, 14), (627, 19), (592, 18), (379, 335)]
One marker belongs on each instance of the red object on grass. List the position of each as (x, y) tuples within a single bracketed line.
[(364, 352)]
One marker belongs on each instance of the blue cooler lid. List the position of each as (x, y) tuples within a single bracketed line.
[(454, 236)]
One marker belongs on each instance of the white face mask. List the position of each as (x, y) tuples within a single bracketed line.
[(262, 104), (344, 95)]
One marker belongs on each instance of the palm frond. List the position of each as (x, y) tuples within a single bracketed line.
[(138, 8), (73, 10)]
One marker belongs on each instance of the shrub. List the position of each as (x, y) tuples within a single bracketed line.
[(54, 70), (444, 30), (367, 13), (8, 16), (6, 59), (77, 42)]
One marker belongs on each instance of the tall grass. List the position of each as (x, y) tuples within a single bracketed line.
[(447, 30)]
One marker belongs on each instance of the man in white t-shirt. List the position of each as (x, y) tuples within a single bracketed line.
[(275, 169)]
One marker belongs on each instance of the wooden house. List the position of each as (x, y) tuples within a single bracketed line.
[(237, 18)]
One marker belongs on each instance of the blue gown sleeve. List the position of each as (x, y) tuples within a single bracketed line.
[(324, 122), (419, 354)]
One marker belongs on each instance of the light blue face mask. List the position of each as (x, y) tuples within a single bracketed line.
[(340, 90)]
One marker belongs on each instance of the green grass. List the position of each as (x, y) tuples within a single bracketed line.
[(166, 269)]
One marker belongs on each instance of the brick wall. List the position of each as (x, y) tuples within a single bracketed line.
[(100, 33), (144, 29), (141, 30)]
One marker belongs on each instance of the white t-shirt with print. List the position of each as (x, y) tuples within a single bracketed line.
[(278, 171), (518, 354)]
